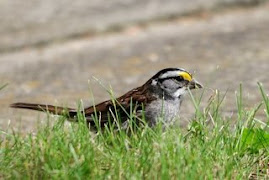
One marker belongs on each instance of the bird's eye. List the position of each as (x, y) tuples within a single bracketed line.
[(179, 78)]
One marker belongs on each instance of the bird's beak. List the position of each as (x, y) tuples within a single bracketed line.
[(193, 84)]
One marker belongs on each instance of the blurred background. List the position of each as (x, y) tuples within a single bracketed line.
[(50, 50)]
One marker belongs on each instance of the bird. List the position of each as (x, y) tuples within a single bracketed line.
[(158, 100)]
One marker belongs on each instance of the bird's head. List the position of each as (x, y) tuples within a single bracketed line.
[(173, 82)]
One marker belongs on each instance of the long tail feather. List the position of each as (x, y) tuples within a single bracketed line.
[(46, 108)]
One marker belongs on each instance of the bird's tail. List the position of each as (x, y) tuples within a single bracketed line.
[(69, 112)]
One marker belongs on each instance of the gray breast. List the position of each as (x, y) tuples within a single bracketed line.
[(166, 111)]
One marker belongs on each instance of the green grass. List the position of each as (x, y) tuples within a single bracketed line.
[(212, 147)]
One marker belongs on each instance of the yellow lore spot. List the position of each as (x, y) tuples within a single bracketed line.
[(186, 76)]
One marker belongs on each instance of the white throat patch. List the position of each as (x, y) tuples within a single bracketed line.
[(180, 92)]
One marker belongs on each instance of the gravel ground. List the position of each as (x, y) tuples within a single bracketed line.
[(222, 49)]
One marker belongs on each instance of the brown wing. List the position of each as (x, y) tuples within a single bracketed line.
[(121, 107), (105, 111)]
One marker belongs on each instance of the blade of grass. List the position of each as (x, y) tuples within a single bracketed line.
[(3, 86), (265, 100)]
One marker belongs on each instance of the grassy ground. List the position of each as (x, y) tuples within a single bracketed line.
[(213, 147)]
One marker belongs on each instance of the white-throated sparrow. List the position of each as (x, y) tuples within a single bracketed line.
[(159, 99)]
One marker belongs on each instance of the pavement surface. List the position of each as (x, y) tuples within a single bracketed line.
[(223, 49), (31, 23)]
